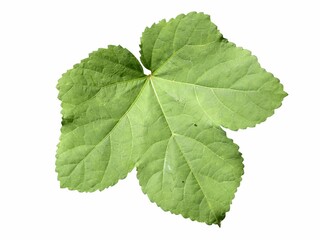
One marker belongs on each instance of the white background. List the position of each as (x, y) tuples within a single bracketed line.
[(39, 40)]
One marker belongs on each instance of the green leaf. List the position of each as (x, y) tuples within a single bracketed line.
[(96, 146), (160, 42), (167, 124)]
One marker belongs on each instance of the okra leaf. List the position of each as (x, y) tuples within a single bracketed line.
[(167, 124)]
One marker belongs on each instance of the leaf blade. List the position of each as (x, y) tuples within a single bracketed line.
[(162, 40), (91, 154), (172, 172), (166, 124), (200, 86), (235, 91)]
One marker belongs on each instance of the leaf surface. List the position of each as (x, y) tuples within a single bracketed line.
[(195, 169), (96, 145), (202, 82), (167, 124)]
